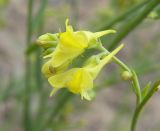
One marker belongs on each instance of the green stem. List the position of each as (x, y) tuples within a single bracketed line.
[(135, 81), (27, 117), (39, 16), (39, 81), (39, 84), (136, 87), (142, 104), (116, 60), (39, 25), (127, 28), (123, 16)]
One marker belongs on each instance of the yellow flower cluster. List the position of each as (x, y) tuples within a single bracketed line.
[(67, 46)]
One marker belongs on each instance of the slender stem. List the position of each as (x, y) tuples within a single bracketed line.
[(142, 104), (27, 117), (135, 81), (127, 28), (136, 87), (138, 92), (116, 60), (39, 81), (39, 16), (40, 29)]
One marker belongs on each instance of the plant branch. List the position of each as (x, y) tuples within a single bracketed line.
[(123, 16), (134, 78), (127, 28), (142, 104), (27, 117)]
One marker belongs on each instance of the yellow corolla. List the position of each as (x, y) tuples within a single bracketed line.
[(80, 80), (73, 43)]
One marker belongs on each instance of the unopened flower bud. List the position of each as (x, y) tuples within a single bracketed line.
[(48, 40), (126, 75)]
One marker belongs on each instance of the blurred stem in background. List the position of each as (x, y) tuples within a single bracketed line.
[(27, 115), (122, 17), (140, 106), (39, 83), (33, 23), (125, 29), (38, 22)]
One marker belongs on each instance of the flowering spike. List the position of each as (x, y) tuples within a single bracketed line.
[(62, 48)]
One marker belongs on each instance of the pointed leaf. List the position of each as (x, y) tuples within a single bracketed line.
[(146, 89)]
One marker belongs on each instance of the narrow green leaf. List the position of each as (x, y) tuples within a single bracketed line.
[(145, 90), (136, 86)]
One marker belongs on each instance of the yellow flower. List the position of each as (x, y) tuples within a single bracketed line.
[(80, 80), (61, 49), (71, 44)]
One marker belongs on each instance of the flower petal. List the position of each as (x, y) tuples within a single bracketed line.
[(81, 81), (60, 80)]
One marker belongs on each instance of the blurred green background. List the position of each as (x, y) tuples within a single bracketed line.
[(25, 104)]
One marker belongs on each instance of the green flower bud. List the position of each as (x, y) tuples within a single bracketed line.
[(48, 40), (126, 75)]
